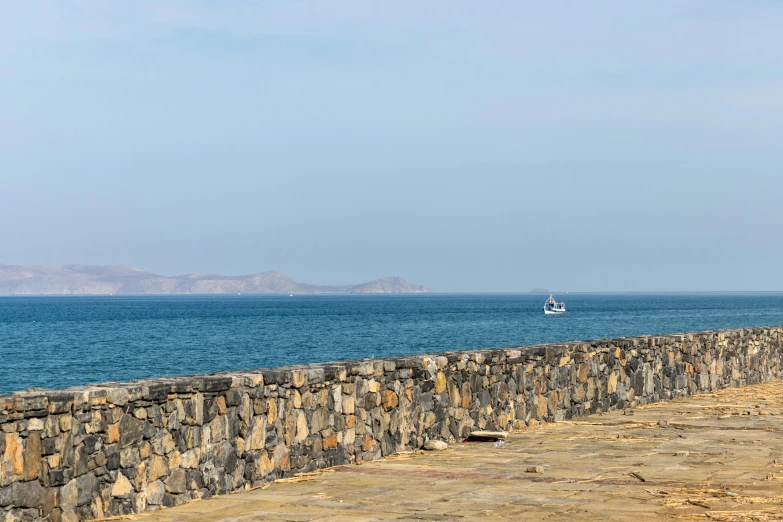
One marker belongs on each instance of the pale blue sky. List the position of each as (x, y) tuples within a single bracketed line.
[(468, 146)]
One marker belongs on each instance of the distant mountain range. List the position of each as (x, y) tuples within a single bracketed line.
[(95, 280)]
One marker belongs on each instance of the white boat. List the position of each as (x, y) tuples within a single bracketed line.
[(553, 307)]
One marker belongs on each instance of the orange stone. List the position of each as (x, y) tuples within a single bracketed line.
[(389, 399), (440, 383), (466, 395), (367, 443), (13, 454), (158, 468), (113, 433), (32, 456), (582, 374), (541, 406), (271, 415), (331, 442), (265, 465), (221, 405)]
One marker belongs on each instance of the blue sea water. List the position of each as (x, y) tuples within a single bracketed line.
[(56, 342)]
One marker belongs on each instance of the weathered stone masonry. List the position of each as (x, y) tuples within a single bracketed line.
[(115, 449)]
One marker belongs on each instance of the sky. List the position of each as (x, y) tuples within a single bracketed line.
[(493, 146)]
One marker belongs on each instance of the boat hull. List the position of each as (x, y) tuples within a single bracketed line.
[(554, 312)]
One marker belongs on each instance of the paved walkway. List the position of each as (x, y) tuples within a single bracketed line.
[(712, 457)]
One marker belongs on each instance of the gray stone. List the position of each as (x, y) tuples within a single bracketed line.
[(23, 494), (118, 396), (112, 457), (67, 456), (93, 443), (59, 477), (194, 480), (131, 430), (81, 462), (176, 482), (86, 487), (320, 420), (225, 456), (6, 496), (149, 430), (154, 493), (69, 496), (129, 457)]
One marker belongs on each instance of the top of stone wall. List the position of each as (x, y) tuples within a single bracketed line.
[(39, 402)]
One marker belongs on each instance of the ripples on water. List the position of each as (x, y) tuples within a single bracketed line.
[(56, 342)]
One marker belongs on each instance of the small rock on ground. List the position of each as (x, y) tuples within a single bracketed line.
[(435, 445)]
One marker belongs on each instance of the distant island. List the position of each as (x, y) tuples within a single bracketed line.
[(107, 280)]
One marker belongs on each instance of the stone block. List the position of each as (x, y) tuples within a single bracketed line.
[(349, 404), (32, 457), (12, 459), (301, 427), (122, 487), (368, 443), (59, 477), (330, 442), (320, 420), (299, 378), (256, 436), (153, 493), (158, 467), (131, 430), (190, 459), (176, 481), (389, 400), (440, 383), (280, 456), (86, 487)]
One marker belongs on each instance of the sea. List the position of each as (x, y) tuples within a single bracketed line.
[(62, 341)]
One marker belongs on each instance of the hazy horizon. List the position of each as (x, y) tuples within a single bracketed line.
[(537, 290), (494, 147)]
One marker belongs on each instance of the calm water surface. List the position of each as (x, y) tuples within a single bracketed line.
[(55, 342)]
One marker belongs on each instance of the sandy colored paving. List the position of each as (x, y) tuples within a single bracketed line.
[(712, 457)]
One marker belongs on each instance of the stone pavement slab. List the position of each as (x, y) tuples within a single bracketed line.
[(715, 456)]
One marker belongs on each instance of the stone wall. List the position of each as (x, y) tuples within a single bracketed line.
[(116, 449)]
